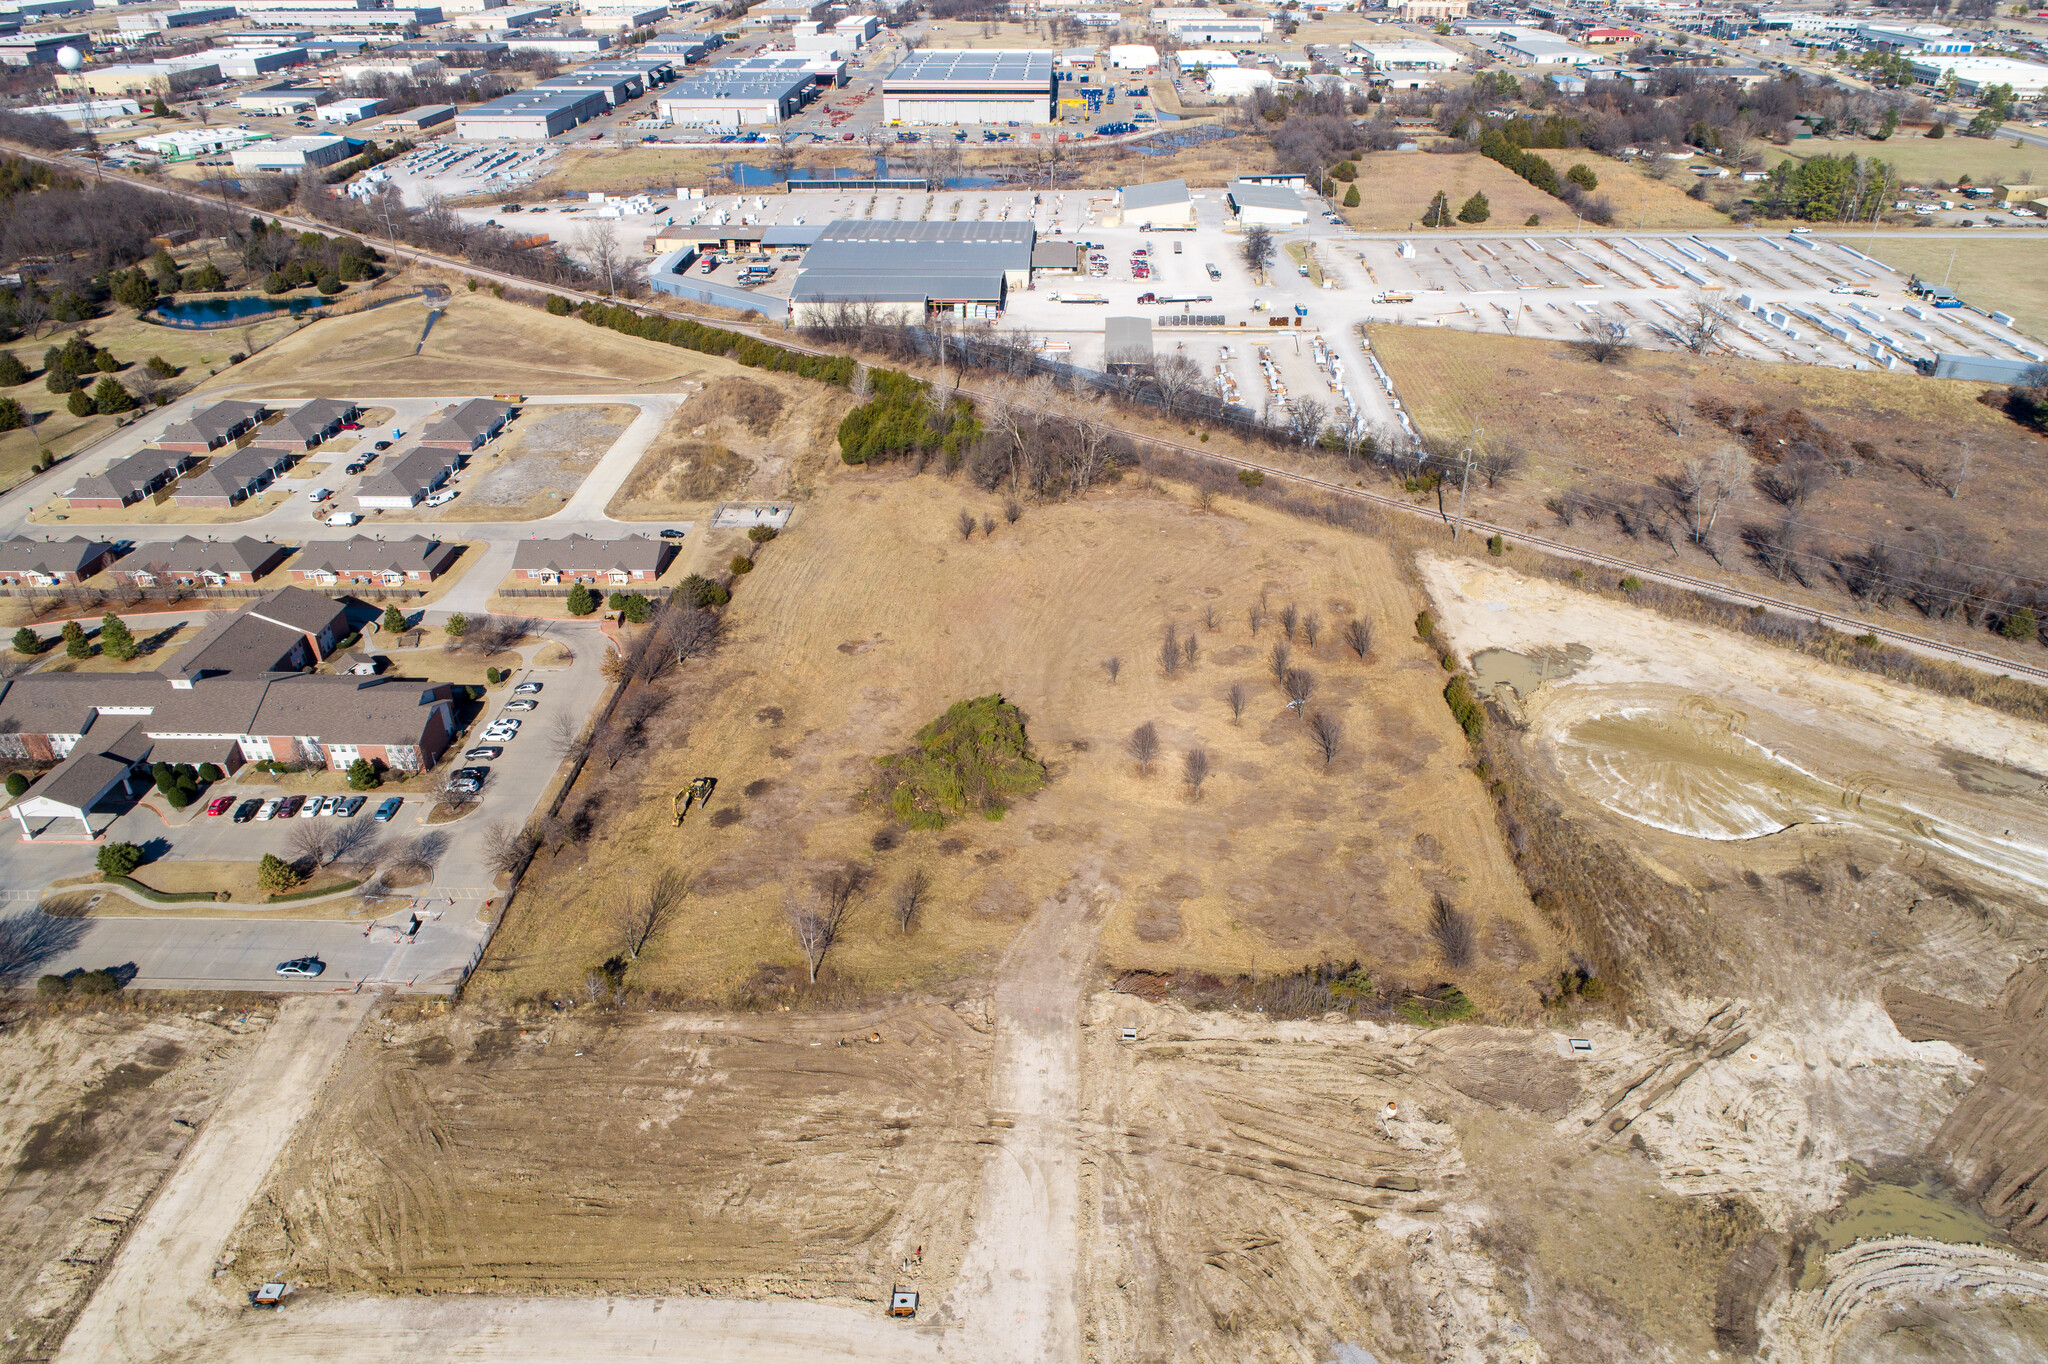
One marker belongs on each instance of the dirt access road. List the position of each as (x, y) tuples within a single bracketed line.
[(152, 1301), (1016, 1300)]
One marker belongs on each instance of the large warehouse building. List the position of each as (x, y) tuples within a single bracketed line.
[(740, 93), (530, 115), (908, 270), (986, 85)]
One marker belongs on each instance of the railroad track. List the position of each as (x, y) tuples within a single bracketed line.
[(1924, 644)]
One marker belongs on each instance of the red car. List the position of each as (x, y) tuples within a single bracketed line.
[(219, 805)]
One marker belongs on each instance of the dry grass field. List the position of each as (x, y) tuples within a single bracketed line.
[(1994, 273), (1639, 200), (870, 615), (1395, 189), (1603, 429), (1921, 160)]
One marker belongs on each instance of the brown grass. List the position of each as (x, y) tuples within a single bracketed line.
[(742, 436), (874, 617), (1595, 427)]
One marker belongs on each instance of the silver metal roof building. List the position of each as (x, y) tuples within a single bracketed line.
[(907, 268), (530, 115), (739, 93), (1268, 205), (971, 85)]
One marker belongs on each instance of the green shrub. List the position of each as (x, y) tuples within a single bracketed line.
[(1533, 220), (361, 775), (330, 285), (28, 643), (559, 306), (1424, 626), (52, 987), (276, 875), (277, 283), (1630, 583), (76, 645), (1434, 1008), (1465, 709), (105, 363), (210, 773), (761, 535), (1496, 546), (80, 403), (1251, 478), (160, 367), (493, 676), (101, 982), (12, 416), (700, 591), (12, 371), (2020, 623), (17, 785), (740, 564), (975, 757), (581, 600), (118, 859)]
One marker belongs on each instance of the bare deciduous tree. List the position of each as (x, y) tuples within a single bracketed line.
[(1209, 618), (1194, 770), (1113, 666), (1143, 746), (1255, 616), (818, 922), (1311, 626), (1699, 328), (1169, 650), (1327, 734), (600, 242), (566, 739), (357, 843), (646, 908), (1012, 509), (1452, 931), (1606, 341), (966, 524), (508, 847), (1299, 684), (1290, 619), (911, 894), (1257, 249), (1189, 648), (1236, 696), (1358, 637), (1278, 661), (312, 842)]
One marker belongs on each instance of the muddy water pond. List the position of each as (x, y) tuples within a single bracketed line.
[(1923, 1209), (1524, 673)]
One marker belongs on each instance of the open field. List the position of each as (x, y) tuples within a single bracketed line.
[(1604, 430), (533, 471), (829, 669), (1922, 161), (1395, 189), (98, 1108), (1993, 273), (1639, 200), (740, 437)]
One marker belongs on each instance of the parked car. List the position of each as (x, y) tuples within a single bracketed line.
[(349, 805), (521, 705), (482, 755), (218, 806), (504, 722), (468, 778), (319, 494), (388, 809), (329, 804), (269, 808), (380, 447), (246, 811), (310, 808), (290, 807), (671, 534), (442, 498), (528, 689), (357, 467), (301, 966)]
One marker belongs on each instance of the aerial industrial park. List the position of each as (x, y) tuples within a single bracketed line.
[(1355, 683)]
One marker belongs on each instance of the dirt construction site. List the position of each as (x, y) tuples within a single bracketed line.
[(1678, 1000)]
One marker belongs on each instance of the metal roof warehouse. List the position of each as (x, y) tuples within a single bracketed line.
[(981, 85), (530, 116), (734, 95), (908, 269)]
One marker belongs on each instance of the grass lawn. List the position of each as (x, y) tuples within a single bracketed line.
[(1995, 273), (1922, 160), (156, 649)]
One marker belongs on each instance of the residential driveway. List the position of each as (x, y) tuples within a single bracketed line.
[(459, 904)]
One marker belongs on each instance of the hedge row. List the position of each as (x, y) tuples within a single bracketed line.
[(160, 896), (746, 350), (314, 893)]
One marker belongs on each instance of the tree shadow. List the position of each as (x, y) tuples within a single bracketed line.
[(29, 939)]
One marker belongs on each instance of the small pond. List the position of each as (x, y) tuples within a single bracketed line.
[(213, 312)]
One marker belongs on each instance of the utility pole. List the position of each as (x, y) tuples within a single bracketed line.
[(1464, 483)]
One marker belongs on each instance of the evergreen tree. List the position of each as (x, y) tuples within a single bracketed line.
[(80, 403), (12, 371), (581, 602), (117, 641), (1582, 176), (1475, 210), (76, 645), (394, 621), (1351, 197), (361, 775), (108, 397), (12, 418), (457, 626), (27, 642), (1438, 213)]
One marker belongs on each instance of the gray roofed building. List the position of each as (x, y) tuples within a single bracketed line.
[(241, 644), (367, 560), (629, 558), (1056, 256), (370, 710), (229, 478), (189, 559), (84, 779), (407, 482), (307, 612), (312, 422), (212, 426), (467, 425), (735, 93), (975, 85), (967, 267), (358, 663), (1163, 194), (129, 480), (47, 563), (1266, 205)]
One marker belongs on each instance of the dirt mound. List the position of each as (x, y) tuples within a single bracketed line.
[(1996, 1140), (754, 406)]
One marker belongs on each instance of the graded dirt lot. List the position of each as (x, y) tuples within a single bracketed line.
[(98, 1108), (742, 436), (870, 615), (538, 468), (1887, 447)]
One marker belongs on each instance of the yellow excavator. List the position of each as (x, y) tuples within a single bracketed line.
[(697, 794)]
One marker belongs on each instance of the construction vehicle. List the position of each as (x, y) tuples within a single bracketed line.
[(697, 794), (902, 1302), (270, 1295)]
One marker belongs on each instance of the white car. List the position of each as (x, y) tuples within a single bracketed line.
[(2025, 213), (319, 494), (269, 810), (442, 498), (310, 808), (328, 804)]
